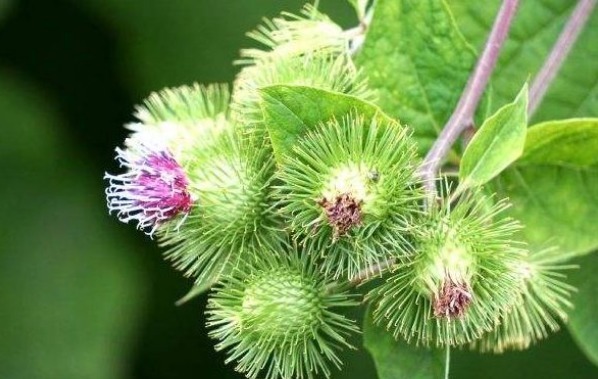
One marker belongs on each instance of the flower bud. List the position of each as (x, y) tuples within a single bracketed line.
[(199, 175), (282, 301), (173, 124), (233, 214), (348, 189), (446, 272), (460, 281), (278, 317), (290, 35)]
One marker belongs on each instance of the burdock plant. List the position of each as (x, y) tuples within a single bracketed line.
[(327, 167)]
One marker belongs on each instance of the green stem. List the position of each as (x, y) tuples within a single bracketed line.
[(447, 363)]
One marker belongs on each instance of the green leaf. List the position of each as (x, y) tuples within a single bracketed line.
[(497, 144), (583, 319), (396, 359), (574, 92), (419, 61), (291, 111), (554, 187), (572, 142)]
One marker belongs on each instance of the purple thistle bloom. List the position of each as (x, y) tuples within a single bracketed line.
[(153, 190)]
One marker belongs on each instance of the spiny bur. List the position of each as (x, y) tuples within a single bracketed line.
[(279, 317), (349, 192), (461, 279)]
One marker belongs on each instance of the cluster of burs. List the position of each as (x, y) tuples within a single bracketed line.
[(283, 241)]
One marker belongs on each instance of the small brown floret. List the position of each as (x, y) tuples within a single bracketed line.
[(453, 300), (343, 213)]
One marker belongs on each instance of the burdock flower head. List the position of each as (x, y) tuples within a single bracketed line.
[(233, 212), (291, 35), (171, 126), (173, 144), (279, 318), (447, 273), (349, 190), (460, 281), (152, 191)]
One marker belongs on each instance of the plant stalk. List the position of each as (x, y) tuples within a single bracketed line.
[(357, 34), (559, 52), (447, 362), (463, 113)]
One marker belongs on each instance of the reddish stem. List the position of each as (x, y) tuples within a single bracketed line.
[(559, 52), (471, 95)]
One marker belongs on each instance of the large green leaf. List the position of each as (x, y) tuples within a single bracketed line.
[(497, 144), (291, 111), (417, 59), (398, 360), (583, 319), (554, 188), (574, 93)]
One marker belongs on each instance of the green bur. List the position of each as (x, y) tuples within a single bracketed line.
[(278, 317), (233, 214), (460, 281), (350, 194)]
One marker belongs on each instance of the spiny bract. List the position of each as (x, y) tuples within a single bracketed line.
[(233, 212), (543, 304)]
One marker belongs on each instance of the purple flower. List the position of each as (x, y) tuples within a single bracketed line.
[(152, 190)]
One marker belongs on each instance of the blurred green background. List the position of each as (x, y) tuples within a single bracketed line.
[(82, 295)]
